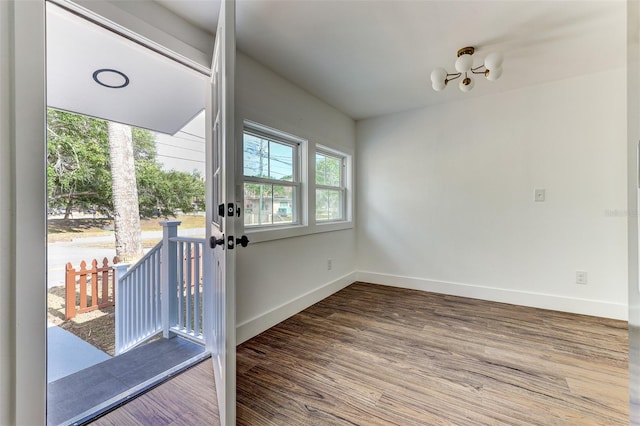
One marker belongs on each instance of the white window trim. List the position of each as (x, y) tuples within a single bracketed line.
[(307, 224)]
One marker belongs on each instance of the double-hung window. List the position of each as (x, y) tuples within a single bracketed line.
[(330, 186), (271, 178)]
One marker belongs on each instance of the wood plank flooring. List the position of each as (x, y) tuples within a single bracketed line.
[(187, 399), (375, 355)]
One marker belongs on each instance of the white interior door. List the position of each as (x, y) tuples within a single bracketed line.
[(221, 215)]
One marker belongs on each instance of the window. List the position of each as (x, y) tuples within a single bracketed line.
[(330, 186), (293, 186), (271, 178)]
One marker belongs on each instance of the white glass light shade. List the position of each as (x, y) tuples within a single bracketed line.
[(494, 74), (464, 63), (466, 87), (493, 61), (438, 85), (438, 75)]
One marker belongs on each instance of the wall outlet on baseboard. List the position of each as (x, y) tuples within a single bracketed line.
[(329, 264), (581, 277)]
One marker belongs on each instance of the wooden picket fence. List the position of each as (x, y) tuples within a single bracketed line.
[(88, 289)]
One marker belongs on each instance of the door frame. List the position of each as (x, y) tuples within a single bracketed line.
[(24, 346), (27, 226)]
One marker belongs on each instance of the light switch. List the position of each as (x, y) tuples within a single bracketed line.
[(539, 195)]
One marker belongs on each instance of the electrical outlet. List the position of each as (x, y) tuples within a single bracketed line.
[(329, 264), (581, 277)]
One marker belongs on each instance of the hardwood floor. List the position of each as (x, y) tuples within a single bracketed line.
[(375, 355), (187, 399)]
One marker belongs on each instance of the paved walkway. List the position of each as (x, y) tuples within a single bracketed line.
[(67, 353)]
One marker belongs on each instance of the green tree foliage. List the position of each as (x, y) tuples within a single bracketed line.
[(79, 175)]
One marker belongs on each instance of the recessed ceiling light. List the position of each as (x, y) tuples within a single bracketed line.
[(110, 78)]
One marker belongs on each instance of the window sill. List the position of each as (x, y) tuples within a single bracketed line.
[(270, 234)]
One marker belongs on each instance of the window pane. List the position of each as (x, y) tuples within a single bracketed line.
[(320, 169), (329, 205), (258, 204), (281, 161), (328, 170), (256, 156), (283, 204), (266, 204), (335, 205), (333, 171)]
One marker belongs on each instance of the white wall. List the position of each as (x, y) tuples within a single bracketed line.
[(445, 196), (6, 314), (278, 278), (633, 125)]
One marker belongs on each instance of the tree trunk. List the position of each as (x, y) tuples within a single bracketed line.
[(126, 216)]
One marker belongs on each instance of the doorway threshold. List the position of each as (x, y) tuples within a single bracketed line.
[(80, 397)]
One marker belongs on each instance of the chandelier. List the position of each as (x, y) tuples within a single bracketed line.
[(491, 69)]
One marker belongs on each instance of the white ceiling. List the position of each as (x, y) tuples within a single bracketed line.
[(369, 58), (162, 95)]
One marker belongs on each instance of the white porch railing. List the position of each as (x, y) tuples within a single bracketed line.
[(173, 268), (189, 315)]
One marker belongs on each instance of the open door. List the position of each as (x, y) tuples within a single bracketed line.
[(222, 215)]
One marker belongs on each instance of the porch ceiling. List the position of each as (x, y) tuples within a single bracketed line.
[(161, 95)]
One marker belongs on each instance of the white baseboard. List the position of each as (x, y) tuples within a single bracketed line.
[(257, 325), (524, 298)]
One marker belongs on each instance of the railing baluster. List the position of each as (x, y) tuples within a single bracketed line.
[(196, 288), (180, 284), (136, 305), (188, 288), (156, 291), (145, 300)]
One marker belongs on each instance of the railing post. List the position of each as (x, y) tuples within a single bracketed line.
[(119, 269), (168, 276)]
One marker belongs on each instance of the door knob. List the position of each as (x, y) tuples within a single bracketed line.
[(213, 242), (243, 241)]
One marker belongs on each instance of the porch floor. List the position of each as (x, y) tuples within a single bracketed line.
[(94, 390)]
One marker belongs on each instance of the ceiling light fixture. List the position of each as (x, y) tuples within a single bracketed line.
[(492, 70), (110, 78)]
